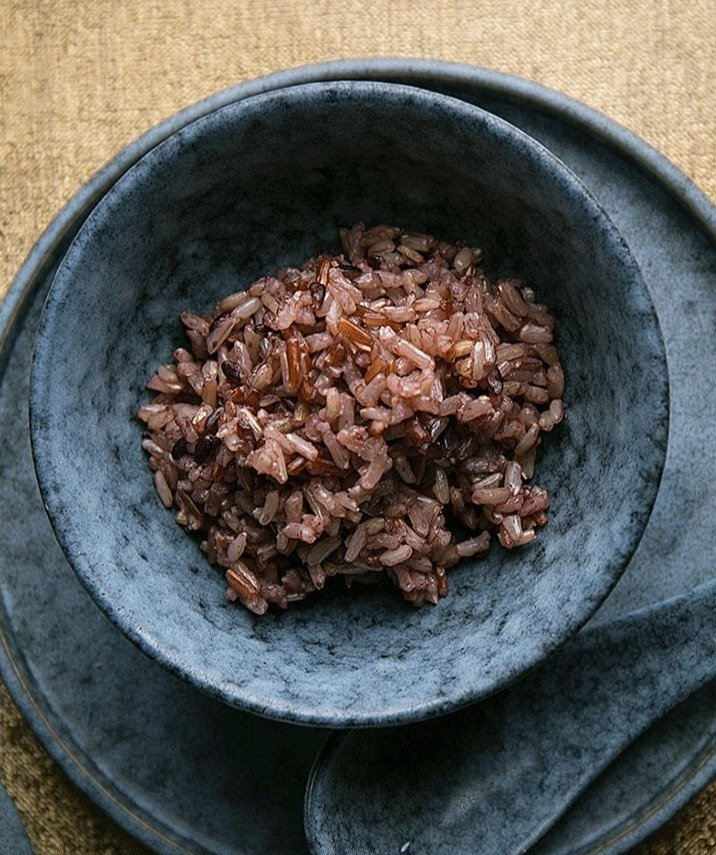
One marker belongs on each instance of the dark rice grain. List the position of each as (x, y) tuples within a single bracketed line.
[(326, 419)]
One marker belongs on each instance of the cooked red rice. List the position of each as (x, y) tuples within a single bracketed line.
[(325, 420)]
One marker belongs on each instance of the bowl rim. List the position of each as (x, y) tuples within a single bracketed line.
[(60, 514)]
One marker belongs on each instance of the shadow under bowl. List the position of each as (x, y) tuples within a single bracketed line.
[(267, 182)]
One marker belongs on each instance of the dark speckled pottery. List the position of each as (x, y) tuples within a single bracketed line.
[(495, 777), (266, 182), (13, 837)]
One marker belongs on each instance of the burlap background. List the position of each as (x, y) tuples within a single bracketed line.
[(81, 80)]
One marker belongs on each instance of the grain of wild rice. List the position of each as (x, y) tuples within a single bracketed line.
[(331, 419)]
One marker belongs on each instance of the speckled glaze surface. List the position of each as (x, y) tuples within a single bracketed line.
[(124, 755), (253, 186), (184, 772), (13, 837), (494, 777)]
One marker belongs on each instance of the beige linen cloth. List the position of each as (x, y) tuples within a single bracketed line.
[(79, 81)]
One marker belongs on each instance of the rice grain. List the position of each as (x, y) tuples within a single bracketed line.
[(322, 421)]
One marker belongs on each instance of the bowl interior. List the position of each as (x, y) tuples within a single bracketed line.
[(267, 182)]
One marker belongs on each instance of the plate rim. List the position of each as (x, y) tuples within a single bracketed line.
[(691, 198)]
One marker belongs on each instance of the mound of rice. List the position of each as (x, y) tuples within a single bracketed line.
[(348, 417)]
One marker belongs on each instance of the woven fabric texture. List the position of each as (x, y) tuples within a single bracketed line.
[(79, 81)]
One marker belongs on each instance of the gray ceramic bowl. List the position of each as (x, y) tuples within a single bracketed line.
[(265, 182)]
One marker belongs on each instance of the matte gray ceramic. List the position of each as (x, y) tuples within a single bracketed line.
[(265, 182), (13, 837), (493, 778)]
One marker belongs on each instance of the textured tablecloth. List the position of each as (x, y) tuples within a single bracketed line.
[(81, 80)]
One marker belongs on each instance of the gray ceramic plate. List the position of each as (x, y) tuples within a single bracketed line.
[(13, 837), (126, 732)]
